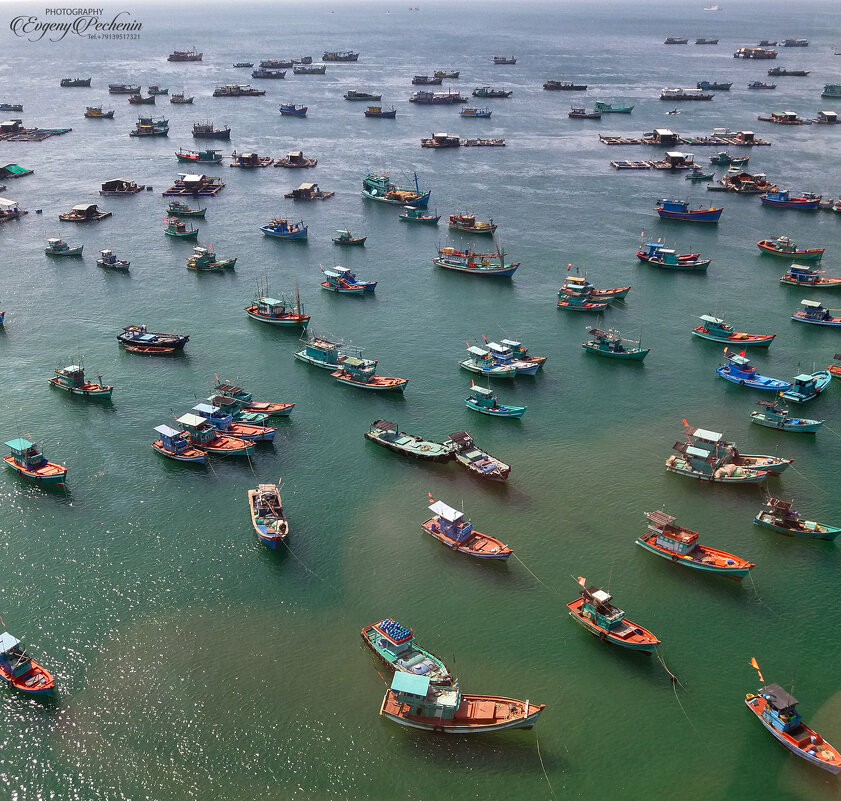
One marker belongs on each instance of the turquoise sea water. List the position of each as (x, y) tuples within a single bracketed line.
[(191, 661)]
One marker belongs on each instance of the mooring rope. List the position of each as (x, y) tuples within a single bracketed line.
[(543, 767)]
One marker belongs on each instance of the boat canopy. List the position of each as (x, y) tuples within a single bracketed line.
[(497, 348), (85, 208), (691, 450), (511, 343), (9, 641), (601, 596), (812, 304), (482, 391), (166, 431), (307, 187), (206, 408), (478, 351), (192, 420), (19, 444), (709, 436), (803, 378), (410, 684), (449, 514), (71, 368), (741, 360), (7, 205), (777, 697), (270, 302)]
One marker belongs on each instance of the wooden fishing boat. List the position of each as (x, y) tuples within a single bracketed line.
[(395, 646), (379, 111), (139, 100), (485, 401), (567, 86), (185, 55), (801, 275), (123, 88), (814, 313), (427, 80), (447, 73), (661, 256), (286, 311), (75, 82), (244, 398), (174, 445), (96, 113), (595, 612), (205, 130), (250, 160), (344, 281), (505, 59), (475, 460), (262, 72), (777, 711), (223, 421), (72, 379), (439, 140), (579, 286), (806, 386), (346, 238), (610, 344), (469, 223), (761, 85), (309, 69), (138, 335), (26, 460), (205, 260), (320, 351), (475, 113), (773, 416), (178, 209), (520, 354), (697, 174), (740, 371), (340, 55), (414, 702), (470, 262), (20, 671), (783, 199), (149, 350), (180, 98), (361, 373), (291, 110), (449, 527), (581, 303), (414, 214), (784, 247), (490, 91), (481, 361), (723, 157), (389, 435), (148, 126), (583, 114), (238, 90), (716, 330), (57, 247), (84, 212), (284, 229), (109, 260), (706, 456), (355, 94), (835, 367), (200, 156), (679, 210), (778, 515), (607, 108), (236, 410), (204, 436), (244, 64), (670, 541), (178, 229), (382, 188), (509, 353), (267, 515), (157, 90)]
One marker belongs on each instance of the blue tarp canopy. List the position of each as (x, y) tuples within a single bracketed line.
[(410, 683), (19, 444), (166, 431)]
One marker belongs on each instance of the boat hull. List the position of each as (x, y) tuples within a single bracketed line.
[(98, 392), (832, 322), (760, 382), (492, 372), (299, 321), (736, 573), (705, 216), (193, 455), (679, 467), (818, 532), (48, 474), (628, 356), (514, 412)]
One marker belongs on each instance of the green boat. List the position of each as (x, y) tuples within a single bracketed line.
[(607, 108), (697, 174), (200, 156), (414, 214), (610, 344), (178, 229), (773, 416), (395, 645), (178, 209), (389, 435), (485, 401), (779, 516)]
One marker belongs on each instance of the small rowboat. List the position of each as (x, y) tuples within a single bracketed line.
[(774, 416), (449, 527), (485, 401), (779, 516), (20, 671), (800, 275), (149, 350), (784, 247), (267, 515)]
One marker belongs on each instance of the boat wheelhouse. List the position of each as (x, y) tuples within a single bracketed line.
[(813, 312), (450, 528), (395, 646), (174, 444), (807, 386)]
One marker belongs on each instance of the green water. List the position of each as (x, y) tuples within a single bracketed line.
[(193, 662)]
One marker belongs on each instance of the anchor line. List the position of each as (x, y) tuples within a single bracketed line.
[(675, 679), (756, 593), (542, 766), (297, 559), (808, 479), (533, 575)]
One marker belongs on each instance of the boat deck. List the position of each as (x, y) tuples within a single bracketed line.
[(32, 134), (698, 141), (206, 191)]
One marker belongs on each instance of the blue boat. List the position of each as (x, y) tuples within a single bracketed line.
[(174, 445), (341, 279), (379, 111), (283, 229), (783, 199), (679, 210), (805, 387), (485, 401), (741, 371), (714, 85), (291, 110), (224, 423), (813, 312)]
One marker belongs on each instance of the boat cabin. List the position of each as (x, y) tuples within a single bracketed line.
[(772, 413), (814, 310), (784, 116), (71, 376), (119, 186), (197, 428), (9, 209), (714, 324), (827, 117), (480, 356), (576, 285), (214, 415), (393, 638), (84, 212), (598, 608), (270, 307), (359, 369), (296, 158), (804, 385), (12, 126), (451, 521), (172, 439), (248, 160), (678, 160), (745, 136), (673, 538), (803, 274), (781, 710), (13, 655), (25, 454), (663, 136), (673, 205), (308, 191), (500, 353)]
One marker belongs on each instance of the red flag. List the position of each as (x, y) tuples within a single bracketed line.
[(741, 353), (431, 499), (484, 337), (582, 581), (569, 267), (755, 666), (685, 423)]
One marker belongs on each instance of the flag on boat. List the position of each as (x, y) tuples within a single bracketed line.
[(569, 267), (755, 666), (582, 581), (685, 423)]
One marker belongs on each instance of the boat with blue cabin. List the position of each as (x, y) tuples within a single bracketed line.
[(801, 275), (343, 280), (108, 259), (774, 416), (267, 515), (806, 386), (291, 110), (223, 421), (485, 401), (778, 515), (481, 361), (285, 311), (394, 644), (449, 527), (679, 210), (20, 671), (174, 444), (476, 113), (362, 373), (284, 229), (504, 354), (783, 199), (740, 371), (668, 258), (27, 461), (813, 312)]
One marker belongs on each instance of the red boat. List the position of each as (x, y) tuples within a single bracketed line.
[(21, 671), (449, 527)]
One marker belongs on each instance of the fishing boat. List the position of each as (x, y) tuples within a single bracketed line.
[(676, 40), (481, 361), (520, 354), (283, 229), (346, 238), (698, 174), (835, 367), (355, 94), (661, 256), (565, 86), (595, 612), (340, 55), (449, 527), (309, 69), (607, 108), (414, 702), (441, 140), (426, 80), (205, 130), (779, 515), (414, 214), (740, 371), (237, 90), (276, 64), (139, 100), (476, 113), (469, 223), (96, 113), (489, 91), (320, 351), (250, 160), (509, 353), (223, 421), (205, 260), (789, 73), (178, 229), (784, 118), (389, 435), (801, 275), (267, 515), (679, 210), (583, 114), (20, 671), (139, 335), (679, 93), (774, 416), (716, 330), (807, 386), (783, 199), (579, 286), (72, 379), (362, 373), (504, 60), (200, 156), (581, 303), (123, 88), (379, 111), (108, 259), (380, 187), (831, 90), (469, 261), (291, 110), (174, 445), (784, 247), (715, 86), (149, 350), (723, 157), (75, 82), (179, 98), (475, 460), (203, 436), (178, 209), (84, 212), (58, 247), (295, 158), (343, 280), (157, 90), (665, 538), (813, 312), (185, 55), (246, 402), (447, 73), (744, 182), (610, 344), (244, 64), (395, 646), (26, 460), (761, 85), (286, 310), (777, 712), (147, 126), (262, 72), (485, 401), (11, 107)]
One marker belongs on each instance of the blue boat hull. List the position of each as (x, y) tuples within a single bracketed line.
[(277, 235), (822, 379), (500, 411), (760, 382)]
